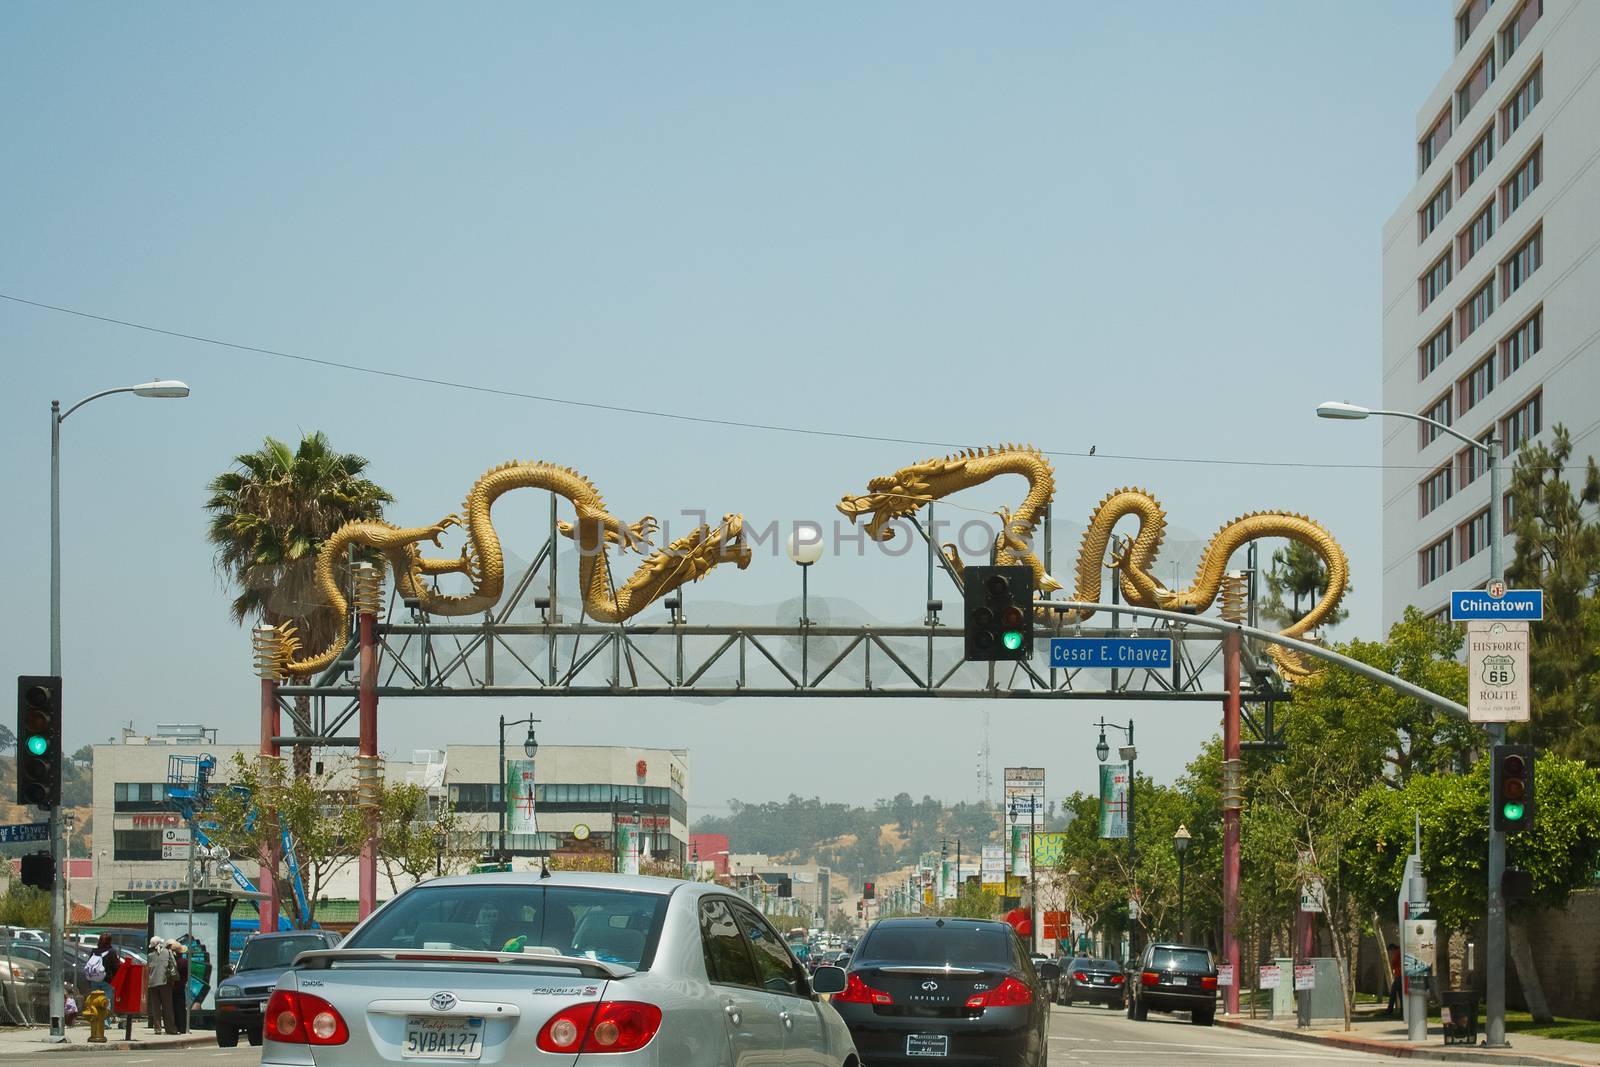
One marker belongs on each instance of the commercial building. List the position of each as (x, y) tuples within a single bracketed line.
[(583, 794), (1490, 322)]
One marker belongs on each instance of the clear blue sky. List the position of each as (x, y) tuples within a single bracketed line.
[(1153, 228)]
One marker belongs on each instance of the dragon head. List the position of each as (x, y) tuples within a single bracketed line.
[(901, 493)]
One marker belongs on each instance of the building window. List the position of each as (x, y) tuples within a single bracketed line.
[(1433, 211), (1429, 147), (1434, 490), (1434, 561), (139, 796), (1523, 181), (1474, 535), (1519, 346), (1470, 19), (1473, 463), (1479, 306), (135, 845), (1475, 86), (1440, 413), (1521, 426), (1431, 284), (1477, 384), (1521, 263), (1528, 94), (1433, 351), (1477, 159), (1477, 233), (1516, 31)]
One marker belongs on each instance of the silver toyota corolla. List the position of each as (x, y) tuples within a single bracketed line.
[(577, 969)]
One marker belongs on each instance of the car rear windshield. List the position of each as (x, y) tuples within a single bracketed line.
[(270, 952), (958, 944), (610, 925), (1181, 959)]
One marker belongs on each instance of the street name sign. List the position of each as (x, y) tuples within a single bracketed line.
[(1497, 602), (1497, 671), (1107, 653), (24, 831)]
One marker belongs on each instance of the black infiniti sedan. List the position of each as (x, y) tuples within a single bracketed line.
[(960, 990), (1172, 977), (1092, 980)]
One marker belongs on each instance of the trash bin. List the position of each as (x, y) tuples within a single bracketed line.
[(1458, 1012)]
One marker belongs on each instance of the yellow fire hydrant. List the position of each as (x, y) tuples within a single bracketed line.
[(96, 1009)]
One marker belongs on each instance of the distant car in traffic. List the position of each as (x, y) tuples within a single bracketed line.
[(512, 968), (962, 990), (1174, 977), (1094, 980), (242, 996)]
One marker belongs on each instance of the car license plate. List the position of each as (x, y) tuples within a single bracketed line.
[(927, 1044), (1180, 981), (442, 1039)]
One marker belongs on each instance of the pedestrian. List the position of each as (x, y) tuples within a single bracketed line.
[(180, 985), (158, 990), (1394, 984), (109, 960)]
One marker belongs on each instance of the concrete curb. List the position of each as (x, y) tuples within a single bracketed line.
[(1412, 1052), (112, 1044)]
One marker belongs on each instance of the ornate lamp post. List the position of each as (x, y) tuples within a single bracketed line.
[(1180, 845)]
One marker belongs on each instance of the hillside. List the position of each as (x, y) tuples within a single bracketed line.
[(77, 795)]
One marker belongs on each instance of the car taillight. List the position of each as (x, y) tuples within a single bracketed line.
[(1116, 979), (1079, 976), (1209, 982), (858, 992), (1149, 978), (304, 1019), (1008, 994), (607, 1026)]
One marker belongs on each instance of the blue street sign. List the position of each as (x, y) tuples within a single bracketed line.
[(24, 831), (1108, 652), (1497, 603)]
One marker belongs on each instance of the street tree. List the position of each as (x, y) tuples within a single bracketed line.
[(416, 836), (270, 512), (1295, 581), (1558, 550)]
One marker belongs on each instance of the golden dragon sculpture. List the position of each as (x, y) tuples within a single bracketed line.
[(482, 560), (911, 488)]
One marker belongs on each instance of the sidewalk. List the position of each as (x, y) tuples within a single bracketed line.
[(1371, 1032), (34, 1041)]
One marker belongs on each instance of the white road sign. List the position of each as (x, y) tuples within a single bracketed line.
[(1497, 670), (175, 842)]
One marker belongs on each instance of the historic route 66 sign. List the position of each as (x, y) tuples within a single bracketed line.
[(1497, 670)]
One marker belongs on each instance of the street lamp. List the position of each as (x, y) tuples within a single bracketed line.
[(1180, 845), (1129, 753), (1495, 964), (530, 748), (805, 548), (1102, 749), (161, 388)]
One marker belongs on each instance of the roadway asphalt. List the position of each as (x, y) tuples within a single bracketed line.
[(1100, 1036)]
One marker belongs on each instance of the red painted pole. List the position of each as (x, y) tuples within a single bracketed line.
[(367, 751), (270, 723), (1230, 815)]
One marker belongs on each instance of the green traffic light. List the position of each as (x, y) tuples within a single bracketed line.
[(1512, 810), (38, 745), (1011, 639)]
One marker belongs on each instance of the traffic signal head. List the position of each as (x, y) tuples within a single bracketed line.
[(869, 891), (38, 871), (999, 613), (38, 740), (1511, 787)]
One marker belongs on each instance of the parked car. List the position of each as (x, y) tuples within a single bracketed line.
[(959, 989), (243, 995), (1093, 980), (515, 967), (1172, 977)]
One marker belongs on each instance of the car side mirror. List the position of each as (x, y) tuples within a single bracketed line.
[(1050, 972), (829, 980)]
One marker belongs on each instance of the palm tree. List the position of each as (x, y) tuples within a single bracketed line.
[(270, 514)]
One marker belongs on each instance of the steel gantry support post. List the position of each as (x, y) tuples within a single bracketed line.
[(270, 729), (1231, 801), (367, 747)]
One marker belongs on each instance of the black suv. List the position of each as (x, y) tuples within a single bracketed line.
[(1172, 977)]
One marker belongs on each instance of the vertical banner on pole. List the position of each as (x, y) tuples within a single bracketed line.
[(628, 843), (520, 815), (1113, 800)]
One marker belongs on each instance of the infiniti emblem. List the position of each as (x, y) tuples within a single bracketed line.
[(442, 1001), (930, 986)]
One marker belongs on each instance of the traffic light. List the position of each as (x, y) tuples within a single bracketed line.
[(861, 907), (38, 740), (38, 871), (869, 891), (999, 613), (1511, 787)]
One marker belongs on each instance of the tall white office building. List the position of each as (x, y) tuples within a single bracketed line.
[(1491, 284)]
